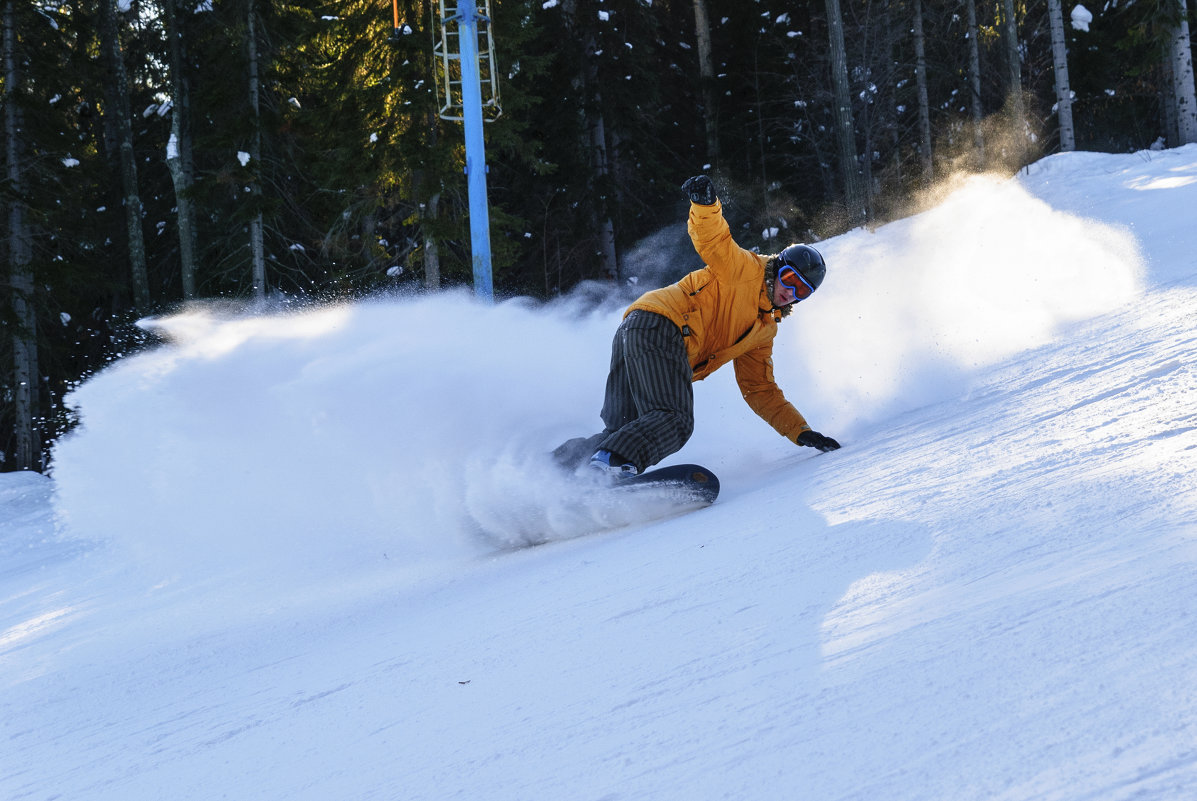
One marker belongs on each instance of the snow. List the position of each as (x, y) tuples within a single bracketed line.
[(1081, 17), (276, 561)]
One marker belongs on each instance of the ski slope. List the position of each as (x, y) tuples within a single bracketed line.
[(279, 559)]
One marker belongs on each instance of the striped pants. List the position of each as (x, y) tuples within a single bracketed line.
[(648, 409)]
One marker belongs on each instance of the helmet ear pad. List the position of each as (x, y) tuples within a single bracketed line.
[(806, 260)]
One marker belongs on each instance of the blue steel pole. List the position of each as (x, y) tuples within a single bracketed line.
[(471, 97)]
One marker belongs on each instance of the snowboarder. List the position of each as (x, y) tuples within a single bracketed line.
[(727, 311)]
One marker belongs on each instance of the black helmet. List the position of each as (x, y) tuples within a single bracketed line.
[(806, 260)]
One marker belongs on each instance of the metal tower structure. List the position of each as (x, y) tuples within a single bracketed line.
[(467, 85)]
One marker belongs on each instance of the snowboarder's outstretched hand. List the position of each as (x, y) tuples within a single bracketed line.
[(813, 439), (700, 190)]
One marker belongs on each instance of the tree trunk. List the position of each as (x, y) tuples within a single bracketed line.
[(1168, 103), (602, 172), (920, 79), (256, 244), (1182, 81), (1017, 108), (845, 126), (432, 251), (974, 83), (596, 127), (759, 114), (430, 188), (179, 158), (117, 90), (27, 442), (706, 74), (1060, 66)]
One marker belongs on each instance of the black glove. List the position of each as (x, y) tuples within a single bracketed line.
[(700, 190), (813, 439)]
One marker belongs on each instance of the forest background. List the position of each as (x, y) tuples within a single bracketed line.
[(160, 152)]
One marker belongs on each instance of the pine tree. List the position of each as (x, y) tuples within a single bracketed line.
[(25, 373), (117, 117), (1182, 90), (180, 151), (1063, 89)]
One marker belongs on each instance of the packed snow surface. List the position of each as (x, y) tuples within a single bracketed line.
[(281, 557)]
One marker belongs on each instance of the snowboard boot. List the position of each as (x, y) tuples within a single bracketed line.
[(612, 465)]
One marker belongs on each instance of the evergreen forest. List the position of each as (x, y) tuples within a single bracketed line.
[(275, 153)]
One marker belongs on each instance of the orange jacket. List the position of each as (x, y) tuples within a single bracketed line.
[(726, 315)]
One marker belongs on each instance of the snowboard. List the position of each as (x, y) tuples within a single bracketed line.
[(587, 502), (679, 483)]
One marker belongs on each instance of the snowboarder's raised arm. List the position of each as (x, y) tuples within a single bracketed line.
[(712, 237)]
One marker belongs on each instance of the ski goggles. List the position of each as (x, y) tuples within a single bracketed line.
[(787, 276)]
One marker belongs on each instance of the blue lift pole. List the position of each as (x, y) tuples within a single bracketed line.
[(475, 144)]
